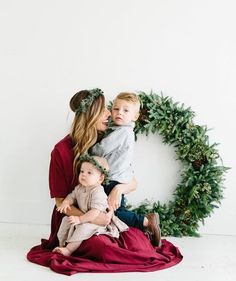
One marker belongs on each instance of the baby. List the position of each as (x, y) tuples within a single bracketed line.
[(91, 199)]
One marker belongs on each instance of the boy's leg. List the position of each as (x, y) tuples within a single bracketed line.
[(149, 223), (129, 217)]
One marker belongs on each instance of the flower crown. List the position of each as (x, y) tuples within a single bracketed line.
[(87, 158), (87, 102)]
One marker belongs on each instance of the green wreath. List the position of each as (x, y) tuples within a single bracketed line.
[(201, 186)]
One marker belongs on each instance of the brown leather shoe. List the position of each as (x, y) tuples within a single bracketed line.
[(154, 228)]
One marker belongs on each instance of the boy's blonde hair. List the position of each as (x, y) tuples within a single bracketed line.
[(129, 97)]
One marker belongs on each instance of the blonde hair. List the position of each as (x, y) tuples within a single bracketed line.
[(129, 97), (83, 130)]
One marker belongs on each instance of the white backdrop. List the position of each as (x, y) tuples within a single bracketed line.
[(51, 49)]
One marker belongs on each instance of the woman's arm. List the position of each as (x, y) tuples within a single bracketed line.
[(114, 197)]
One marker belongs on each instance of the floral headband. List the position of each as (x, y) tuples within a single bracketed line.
[(87, 158), (87, 102)]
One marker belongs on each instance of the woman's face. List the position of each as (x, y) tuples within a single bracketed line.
[(102, 123)]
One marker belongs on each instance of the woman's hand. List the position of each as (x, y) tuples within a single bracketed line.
[(114, 198), (74, 220), (103, 219)]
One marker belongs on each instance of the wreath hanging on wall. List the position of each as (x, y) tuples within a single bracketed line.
[(200, 189)]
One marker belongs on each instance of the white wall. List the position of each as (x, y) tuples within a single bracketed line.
[(51, 49)]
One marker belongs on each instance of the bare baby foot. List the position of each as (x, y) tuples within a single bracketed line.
[(62, 250)]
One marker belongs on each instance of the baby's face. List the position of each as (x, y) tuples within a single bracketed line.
[(123, 112), (89, 175)]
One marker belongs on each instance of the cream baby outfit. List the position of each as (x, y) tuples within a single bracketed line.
[(88, 198)]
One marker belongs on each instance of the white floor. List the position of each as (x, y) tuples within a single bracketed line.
[(210, 257)]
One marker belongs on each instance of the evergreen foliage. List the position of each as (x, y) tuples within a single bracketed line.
[(200, 189)]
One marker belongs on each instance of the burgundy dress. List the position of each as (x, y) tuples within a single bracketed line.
[(132, 251)]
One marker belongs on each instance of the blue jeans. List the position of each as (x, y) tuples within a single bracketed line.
[(128, 217)]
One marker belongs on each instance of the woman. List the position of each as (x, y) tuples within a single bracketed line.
[(133, 250)]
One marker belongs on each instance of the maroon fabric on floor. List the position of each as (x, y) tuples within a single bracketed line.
[(131, 252)]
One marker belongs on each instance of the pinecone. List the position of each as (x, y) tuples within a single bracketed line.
[(198, 163)]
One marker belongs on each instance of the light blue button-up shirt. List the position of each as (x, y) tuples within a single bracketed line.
[(117, 147)]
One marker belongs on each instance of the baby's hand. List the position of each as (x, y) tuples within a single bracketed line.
[(64, 206), (74, 220)]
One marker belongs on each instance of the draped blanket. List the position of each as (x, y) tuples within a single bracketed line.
[(132, 251)]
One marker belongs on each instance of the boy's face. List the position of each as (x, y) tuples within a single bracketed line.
[(123, 112), (89, 175)]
